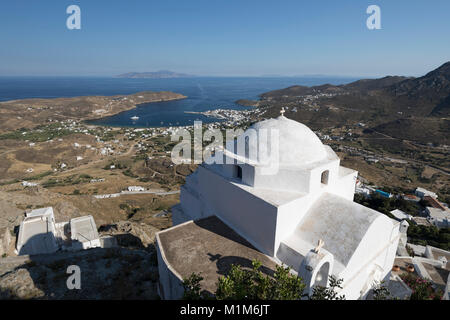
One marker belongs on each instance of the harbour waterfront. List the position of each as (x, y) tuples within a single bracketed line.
[(204, 93)]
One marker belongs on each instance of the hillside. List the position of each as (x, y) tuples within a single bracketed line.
[(375, 84), (394, 105), (424, 96), (422, 130)]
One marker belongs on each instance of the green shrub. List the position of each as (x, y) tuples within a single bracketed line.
[(243, 284)]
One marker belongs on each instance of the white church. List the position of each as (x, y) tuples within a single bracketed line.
[(302, 216)]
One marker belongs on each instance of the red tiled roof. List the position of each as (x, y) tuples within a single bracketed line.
[(410, 196)]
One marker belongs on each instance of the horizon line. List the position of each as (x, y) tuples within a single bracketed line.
[(201, 76)]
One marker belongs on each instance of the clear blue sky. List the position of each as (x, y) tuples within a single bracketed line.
[(224, 37)]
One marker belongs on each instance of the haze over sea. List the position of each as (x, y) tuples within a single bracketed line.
[(204, 93)]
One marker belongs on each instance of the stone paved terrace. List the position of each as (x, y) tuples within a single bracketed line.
[(209, 247), (438, 275), (437, 253), (403, 263)]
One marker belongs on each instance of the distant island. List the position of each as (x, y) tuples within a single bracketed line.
[(161, 74)]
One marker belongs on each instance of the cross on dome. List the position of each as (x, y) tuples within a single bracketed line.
[(320, 244), (282, 111)]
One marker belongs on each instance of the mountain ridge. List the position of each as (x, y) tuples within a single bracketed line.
[(428, 95), (407, 108)]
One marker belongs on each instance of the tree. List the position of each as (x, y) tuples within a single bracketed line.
[(192, 288), (244, 284), (241, 284), (429, 235), (328, 293), (381, 292)]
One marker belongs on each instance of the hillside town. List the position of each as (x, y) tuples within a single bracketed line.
[(415, 257), (70, 189), (88, 144)]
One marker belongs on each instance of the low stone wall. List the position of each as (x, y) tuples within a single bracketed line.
[(5, 241), (170, 282)]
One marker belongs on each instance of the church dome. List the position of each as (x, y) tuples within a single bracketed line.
[(298, 145)]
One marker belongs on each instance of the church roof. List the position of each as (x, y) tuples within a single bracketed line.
[(298, 145), (340, 223), (209, 247)]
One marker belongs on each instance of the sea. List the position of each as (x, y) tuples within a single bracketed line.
[(203, 93)]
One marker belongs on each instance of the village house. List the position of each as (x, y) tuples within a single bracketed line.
[(136, 189), (421, 192), (438, 217), (400, 215)]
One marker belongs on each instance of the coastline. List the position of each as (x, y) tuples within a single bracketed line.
[(131, 108), (33, 112)]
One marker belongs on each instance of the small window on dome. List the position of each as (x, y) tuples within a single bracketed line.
[(324, 177)]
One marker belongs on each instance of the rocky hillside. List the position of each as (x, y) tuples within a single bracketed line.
[(128, 271), (119, 273), (424, 96), (407, 108), (431, 91)]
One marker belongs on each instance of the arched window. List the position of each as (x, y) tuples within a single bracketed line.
[(324, 177), (247, 147), (322, 275), (239, 172)]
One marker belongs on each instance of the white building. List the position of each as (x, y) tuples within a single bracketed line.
[(421, 192), (39, 234), (84, 233), (136, 189), (400, 215), (302, 215), (29, 184), (364, 191), (438, 217)]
